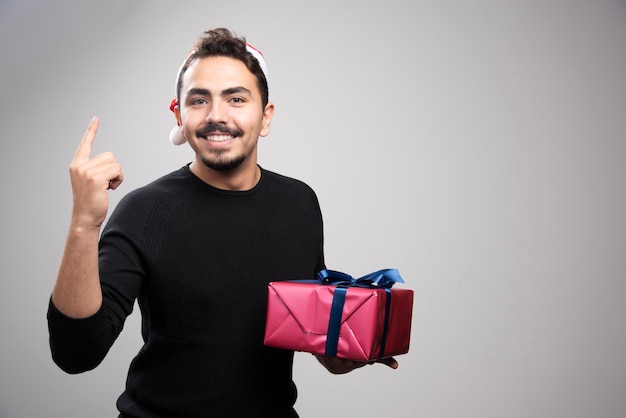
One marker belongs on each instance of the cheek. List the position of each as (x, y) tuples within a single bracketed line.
[(190, 121), (250, 122)]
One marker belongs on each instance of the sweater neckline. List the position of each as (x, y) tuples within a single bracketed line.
[(214, 189)]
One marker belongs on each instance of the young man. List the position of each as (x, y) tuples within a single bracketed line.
[(197, 249)]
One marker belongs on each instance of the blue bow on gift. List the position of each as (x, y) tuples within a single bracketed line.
[(382, 279)]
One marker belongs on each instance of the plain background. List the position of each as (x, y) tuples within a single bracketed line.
[(479, 147)]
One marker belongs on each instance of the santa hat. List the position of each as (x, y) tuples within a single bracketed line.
[(176, 136)]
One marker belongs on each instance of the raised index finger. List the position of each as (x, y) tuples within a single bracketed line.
[(84, 148)]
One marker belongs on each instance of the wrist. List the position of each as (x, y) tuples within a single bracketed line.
[(84, 224)]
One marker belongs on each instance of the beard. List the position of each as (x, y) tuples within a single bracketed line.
[(221, 163)]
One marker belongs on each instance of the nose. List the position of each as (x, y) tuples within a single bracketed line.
[(218, 112)]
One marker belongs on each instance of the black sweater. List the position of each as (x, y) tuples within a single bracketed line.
[(198, 260)]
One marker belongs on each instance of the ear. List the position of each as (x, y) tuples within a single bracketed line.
[(268, 114), (176, 109)]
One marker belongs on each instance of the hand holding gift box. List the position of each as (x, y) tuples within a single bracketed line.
[(338, 316)]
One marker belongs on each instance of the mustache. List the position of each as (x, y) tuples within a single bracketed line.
[(213, 128)]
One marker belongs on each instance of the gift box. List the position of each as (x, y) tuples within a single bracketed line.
[(336, 315)]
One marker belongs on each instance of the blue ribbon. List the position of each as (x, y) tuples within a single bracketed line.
[(382, 279)]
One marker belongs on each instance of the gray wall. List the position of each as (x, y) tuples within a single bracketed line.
[(478, 147)]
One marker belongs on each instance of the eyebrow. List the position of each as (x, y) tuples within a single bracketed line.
[(225, 92)]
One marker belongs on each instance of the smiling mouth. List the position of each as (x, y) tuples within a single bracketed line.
[(217, 133), (218, 138)]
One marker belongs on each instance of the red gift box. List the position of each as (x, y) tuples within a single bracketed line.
[(353, 322)]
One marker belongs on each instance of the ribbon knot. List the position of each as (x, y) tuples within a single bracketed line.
[(383, 279)]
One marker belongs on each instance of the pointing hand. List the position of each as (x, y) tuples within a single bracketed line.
[(91, 178)]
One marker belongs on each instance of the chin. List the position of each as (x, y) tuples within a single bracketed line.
[(223, 164)]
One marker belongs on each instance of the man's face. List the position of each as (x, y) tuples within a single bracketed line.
[(221, 113)]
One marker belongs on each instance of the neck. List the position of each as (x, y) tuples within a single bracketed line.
[(242, 178)]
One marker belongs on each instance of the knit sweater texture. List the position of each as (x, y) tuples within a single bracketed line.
[(198, 260)]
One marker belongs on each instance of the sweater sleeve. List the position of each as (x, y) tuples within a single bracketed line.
[(79, 345)]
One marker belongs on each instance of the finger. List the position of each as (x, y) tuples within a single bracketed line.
[(84, 148), (116, 181), (105, 167)]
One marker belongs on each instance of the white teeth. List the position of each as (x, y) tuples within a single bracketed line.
[(218, 138)]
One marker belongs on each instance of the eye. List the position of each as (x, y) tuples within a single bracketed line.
[(237, 100), (197, 101)]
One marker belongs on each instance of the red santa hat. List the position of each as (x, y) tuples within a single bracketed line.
[(176, 136)]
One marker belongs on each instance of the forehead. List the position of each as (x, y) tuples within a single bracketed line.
[(219, 73)]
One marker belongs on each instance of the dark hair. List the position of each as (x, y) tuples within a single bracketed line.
[(223, 42)]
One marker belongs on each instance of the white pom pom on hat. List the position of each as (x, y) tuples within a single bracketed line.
[(176, 135)]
